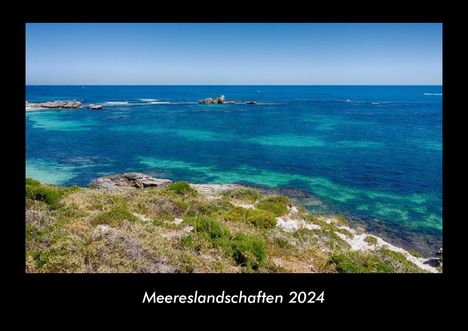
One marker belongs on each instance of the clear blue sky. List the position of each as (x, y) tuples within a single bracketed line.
[(281, 53)]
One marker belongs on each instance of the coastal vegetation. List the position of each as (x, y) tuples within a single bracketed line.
[(179, 227)]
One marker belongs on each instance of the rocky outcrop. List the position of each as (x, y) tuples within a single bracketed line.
[(125, 181), (94, 107), (212, 101), (67, 104), (221, 101)]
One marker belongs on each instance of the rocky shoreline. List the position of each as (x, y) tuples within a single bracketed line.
[(292, 222), (133, 222)]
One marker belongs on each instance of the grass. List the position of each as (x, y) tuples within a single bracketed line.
[(181, 188), (345, 232), (48, 194), (398, 261), (249, 251), (283, 243), (257, 217), (276, 204), (371, 240), (116, 217), (355, 262), (248, 195), (214, 235), (210, 226)]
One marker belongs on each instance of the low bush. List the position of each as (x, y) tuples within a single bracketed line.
[(116, 216), (209, 226), (371, 240), (275, 204), (244, 194), (248, 251), (257, 217), (355, 262), (42, 192), (181, 188)]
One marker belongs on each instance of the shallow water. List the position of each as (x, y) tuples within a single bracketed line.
[(372, 153)]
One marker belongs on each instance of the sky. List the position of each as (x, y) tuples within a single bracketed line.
[(234, 53)]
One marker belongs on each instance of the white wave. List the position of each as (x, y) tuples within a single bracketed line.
[(116, 103), (159, 102), (148, 100), (432, 93)]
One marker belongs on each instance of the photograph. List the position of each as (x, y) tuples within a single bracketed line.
[(233, 148)]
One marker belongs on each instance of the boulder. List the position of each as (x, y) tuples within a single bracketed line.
[(433, 262), (125, 181)]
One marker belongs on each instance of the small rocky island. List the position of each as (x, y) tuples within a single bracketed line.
[(66, 104), (221, 101), (62, 104)]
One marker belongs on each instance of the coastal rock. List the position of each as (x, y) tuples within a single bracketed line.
[(220, 100), (122, 182), (212, 101), (433, 262), (67, 104), (95, 107)]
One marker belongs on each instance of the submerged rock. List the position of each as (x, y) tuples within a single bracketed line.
[(122, 182)]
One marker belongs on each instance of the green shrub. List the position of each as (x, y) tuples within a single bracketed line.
[(244, 194), (261, 218), (248, 251), (398, 261), (32, 182), (345, 232), (48, 194), (181, 188), (257, 217), (45, 193), (371, 240), (283, 243), (276, 204), (355, 262), (209, 226), (340, 220), (416, 254), (116, 216)]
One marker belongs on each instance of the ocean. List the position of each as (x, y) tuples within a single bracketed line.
[(371, 153)]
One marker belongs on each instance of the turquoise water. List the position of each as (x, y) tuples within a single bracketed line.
[(372, 153)]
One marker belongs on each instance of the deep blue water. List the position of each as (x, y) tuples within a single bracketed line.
[(371, 152)]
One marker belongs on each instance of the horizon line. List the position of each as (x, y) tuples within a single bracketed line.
[(440, 84)]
